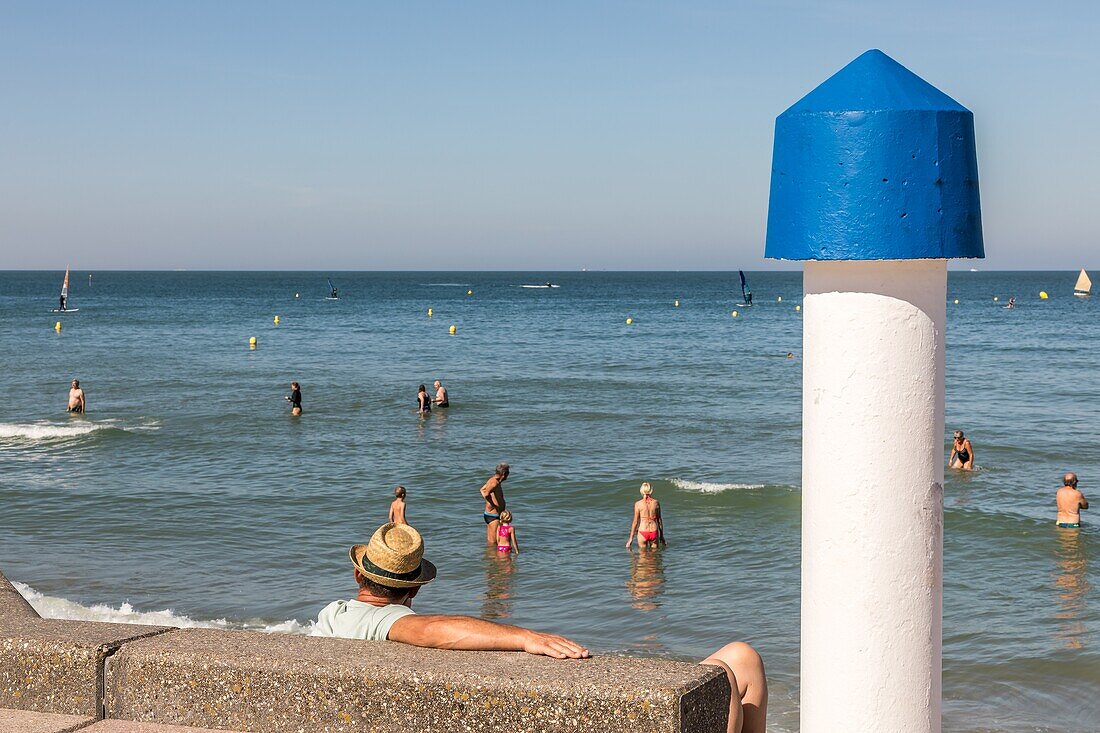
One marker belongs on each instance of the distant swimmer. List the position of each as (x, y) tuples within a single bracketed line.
[(397, 506), (440, 398), (423, 401), (647, 522), (507, 541), (1011, 302), (295, 399), (1070, 503), (790, 354), (77, 401), (962, 453), (493, 493)]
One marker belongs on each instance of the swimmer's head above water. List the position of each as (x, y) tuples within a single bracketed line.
[(646, 490), (1070, 479), (502, 471), (958, 435), (505, 517), (76, 383), (399, 492)]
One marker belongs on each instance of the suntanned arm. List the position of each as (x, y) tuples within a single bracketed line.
[(660, 525), (515, 540), (473, 634), (633, 528), (1083, 503)]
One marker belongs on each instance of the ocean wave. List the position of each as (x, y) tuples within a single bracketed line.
[(64, 609), (42, 431), (33, 432), (706, 487)]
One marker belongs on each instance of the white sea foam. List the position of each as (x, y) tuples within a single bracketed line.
[(63, 608), (706, 487), (44, 431)]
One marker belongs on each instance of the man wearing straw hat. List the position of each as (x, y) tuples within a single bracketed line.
[(390, 570)]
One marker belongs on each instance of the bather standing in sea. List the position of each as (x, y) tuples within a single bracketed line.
[(493, 493), (647, 522), (962, 453), (77, 401)]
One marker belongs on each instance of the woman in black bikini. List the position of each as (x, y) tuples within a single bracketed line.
[(423, 401), (962, 453)]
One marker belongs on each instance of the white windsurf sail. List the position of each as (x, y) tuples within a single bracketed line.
[(65, 291), (1084, 285)]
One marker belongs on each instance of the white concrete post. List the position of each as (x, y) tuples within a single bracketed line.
[(872, 495)]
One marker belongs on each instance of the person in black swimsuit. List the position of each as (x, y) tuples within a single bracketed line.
[(295, 399), (962, 453), (423, 401)]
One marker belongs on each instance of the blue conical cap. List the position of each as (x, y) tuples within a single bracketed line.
[(874, 82), (874, 164)]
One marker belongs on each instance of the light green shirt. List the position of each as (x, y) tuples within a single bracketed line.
[(358, 620)]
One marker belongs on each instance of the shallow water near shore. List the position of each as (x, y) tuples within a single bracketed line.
[(189, 487)]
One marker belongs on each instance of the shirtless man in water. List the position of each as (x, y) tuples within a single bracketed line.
[(77, 403), (493, 493), (1070, 503), (647, 521), (440, 398)]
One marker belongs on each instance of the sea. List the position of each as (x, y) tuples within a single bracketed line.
[(188, 495)]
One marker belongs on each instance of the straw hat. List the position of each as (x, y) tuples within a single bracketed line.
[(394, 557)]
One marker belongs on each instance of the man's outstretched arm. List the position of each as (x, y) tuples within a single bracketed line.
[(473, 634)]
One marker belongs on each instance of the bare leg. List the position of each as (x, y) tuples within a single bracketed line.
[(749, 684), (491, 532)]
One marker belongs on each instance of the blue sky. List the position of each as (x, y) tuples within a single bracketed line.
[(498, 135)]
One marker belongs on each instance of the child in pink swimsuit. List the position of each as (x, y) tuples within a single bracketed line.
[(506, 534)]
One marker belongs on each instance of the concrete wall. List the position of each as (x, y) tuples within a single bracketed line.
[(269, 683)]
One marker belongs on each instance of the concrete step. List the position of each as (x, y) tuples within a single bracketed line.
[(27, 721)]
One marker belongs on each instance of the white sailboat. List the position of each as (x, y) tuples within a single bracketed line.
[(1083, 288)]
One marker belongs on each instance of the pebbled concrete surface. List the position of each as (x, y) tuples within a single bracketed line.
[(128, 726), (284, 684), (12, 604), (23, 721), (54, 666)]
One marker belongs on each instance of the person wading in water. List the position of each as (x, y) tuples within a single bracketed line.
[(648, 524)]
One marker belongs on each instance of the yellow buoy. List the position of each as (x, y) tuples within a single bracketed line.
[(734, 314), (57, 326), (252, 342), (779, 299), (453, 330), (629, 321), (276, 320), (469, 292), (1043, 295), (798, 309), (676, 304), (429, 313)]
